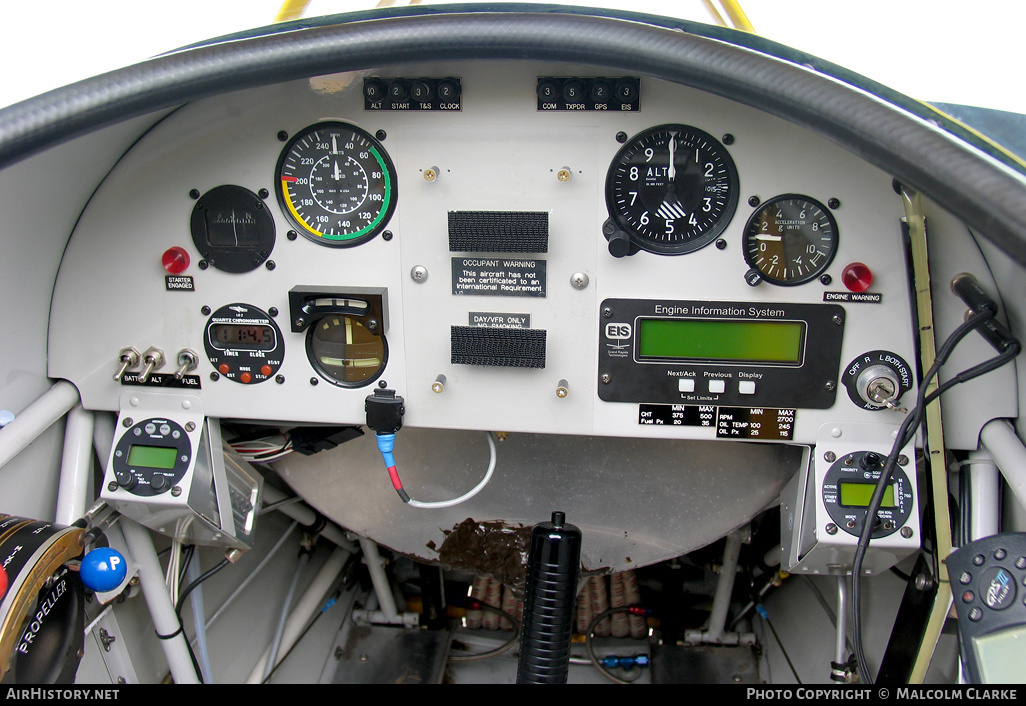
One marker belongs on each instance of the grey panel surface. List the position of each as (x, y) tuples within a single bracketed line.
[(721, 664), (387, 655), (636, 502)]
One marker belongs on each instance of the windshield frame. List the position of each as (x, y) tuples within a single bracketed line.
[(978, 181)]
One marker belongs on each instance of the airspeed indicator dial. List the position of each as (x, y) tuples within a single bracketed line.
[(672, 189), (336, 184), (789, 240)]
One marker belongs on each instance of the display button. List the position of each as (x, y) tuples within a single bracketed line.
[(717, 386), (686, 385), (746, 387)]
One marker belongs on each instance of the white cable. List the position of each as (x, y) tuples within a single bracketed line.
[(162, 610), (279, 630), (192, 572), (473, 491)]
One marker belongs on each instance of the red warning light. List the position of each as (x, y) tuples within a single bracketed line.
[(175, 260), (857, 277)]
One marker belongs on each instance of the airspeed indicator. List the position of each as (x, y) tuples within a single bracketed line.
[(336, 184)]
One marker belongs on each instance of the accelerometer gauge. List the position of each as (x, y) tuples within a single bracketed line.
[(670, 190), (789, 240), (232, 229), (336, 184), (346, 352)]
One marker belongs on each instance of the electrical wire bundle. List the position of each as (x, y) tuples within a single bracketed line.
[(265, 449), (982, 320)]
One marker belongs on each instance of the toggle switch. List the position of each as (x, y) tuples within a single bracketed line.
[(187, 360), (128, 358), (153, 359)]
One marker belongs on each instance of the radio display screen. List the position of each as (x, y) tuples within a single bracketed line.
[(162, 457), (859, 494)]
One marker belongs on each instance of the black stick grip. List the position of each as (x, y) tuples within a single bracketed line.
[(553, 566)]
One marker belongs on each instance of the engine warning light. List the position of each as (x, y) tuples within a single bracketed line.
[(857, 277)]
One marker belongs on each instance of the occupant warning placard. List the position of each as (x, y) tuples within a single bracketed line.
[(503, 277)]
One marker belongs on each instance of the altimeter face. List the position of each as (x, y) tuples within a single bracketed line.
[(672, 189)]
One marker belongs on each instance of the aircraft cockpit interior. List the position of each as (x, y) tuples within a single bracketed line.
[(486, 343)]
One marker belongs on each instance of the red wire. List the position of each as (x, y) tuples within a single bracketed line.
[(394, 475)]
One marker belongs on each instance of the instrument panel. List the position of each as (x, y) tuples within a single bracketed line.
[(341, 233)]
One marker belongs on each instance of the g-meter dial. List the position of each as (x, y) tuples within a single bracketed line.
[(789, 240), (670, 190), (336, 184)]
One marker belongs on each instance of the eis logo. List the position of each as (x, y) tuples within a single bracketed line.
[(619, 333)]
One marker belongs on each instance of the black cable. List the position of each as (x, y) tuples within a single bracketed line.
[(975, 371), (783, 651), (188, 552), (965, 499), (192, 586), (181, 603), (900, 574), (299, 639), (346, 569), (906, 433)]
